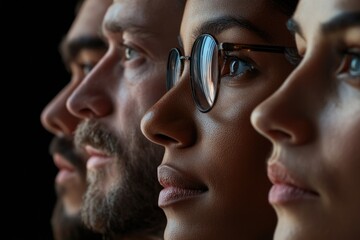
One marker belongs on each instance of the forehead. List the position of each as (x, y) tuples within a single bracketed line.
[(322, 11), (262, 15), (151, 16), (89, 19)]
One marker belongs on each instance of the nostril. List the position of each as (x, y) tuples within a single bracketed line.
[(278, 135), (163, 139)]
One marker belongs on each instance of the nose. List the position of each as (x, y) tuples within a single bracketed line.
[(93, 97), (288, 115), (170, 122), (55, 117)]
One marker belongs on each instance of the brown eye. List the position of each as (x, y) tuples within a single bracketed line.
[(234, 66)]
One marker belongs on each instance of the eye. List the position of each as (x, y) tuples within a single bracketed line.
[(354, 68), (350, 65), (130, 53), (233, 66), (86, 68)]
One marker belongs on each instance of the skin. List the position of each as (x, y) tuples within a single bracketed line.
[(70, 182), (121, 201), (313, 121), (219, 154)]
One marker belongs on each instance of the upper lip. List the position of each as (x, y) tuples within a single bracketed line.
[(91, 151), (168, 176), (62, 163)]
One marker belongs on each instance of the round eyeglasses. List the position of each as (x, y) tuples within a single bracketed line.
[(206, 63)]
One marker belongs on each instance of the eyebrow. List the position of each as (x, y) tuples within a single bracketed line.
[(218, 25), (116, 26), (341, 21), (69, 49)]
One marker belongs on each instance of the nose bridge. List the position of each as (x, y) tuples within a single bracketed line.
[(93, 98)]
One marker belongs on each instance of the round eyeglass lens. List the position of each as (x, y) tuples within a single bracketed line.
[(173, 68), (204, 71)]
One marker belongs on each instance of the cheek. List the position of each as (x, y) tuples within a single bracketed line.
[(238, 156), (343, 142), (339, 138)]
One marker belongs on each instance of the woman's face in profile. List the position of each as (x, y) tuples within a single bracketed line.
[(313, 121), (213, 170)]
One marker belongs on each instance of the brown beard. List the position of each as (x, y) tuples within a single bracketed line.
[(64, 226), (130, 205), (67, 227)]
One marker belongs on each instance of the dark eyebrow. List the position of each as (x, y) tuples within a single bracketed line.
[(218, 25), (341, 21), (69, 49)]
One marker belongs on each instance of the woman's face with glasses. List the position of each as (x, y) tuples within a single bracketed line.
[(213, 170)]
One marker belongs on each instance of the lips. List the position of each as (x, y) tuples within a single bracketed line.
[(61, 163), (178, 186), (66, 169), (286, 188), (97, 158)]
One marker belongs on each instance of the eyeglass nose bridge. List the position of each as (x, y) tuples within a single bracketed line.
[(185, 58)]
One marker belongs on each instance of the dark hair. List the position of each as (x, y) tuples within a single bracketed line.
[(78, 5), (286, 6)]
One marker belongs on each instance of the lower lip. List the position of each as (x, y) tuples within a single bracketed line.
[(171, 195), (97, 162), (64, 175), (284, 193)]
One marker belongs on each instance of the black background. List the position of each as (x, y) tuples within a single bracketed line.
[(33, 73)]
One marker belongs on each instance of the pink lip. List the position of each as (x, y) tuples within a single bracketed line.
[(177, 186), (285, 187), (66, 169), (62, 163), (97, 158)]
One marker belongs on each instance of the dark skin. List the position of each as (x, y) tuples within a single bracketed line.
[(218, 154)]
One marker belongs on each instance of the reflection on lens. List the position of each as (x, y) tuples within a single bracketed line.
[(204, 71), (173, 68)]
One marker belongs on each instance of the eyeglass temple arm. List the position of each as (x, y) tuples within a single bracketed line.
[(290, 52)]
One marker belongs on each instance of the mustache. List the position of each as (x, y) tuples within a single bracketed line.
[(91, 132), (66, 148)]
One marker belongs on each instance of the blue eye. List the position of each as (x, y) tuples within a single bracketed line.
[(86, 68), (354, 68), (130, 53), (234, 66), (350, 64)]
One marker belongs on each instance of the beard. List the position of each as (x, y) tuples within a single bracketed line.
[(66, 148), (130, 204), (69, 227)]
